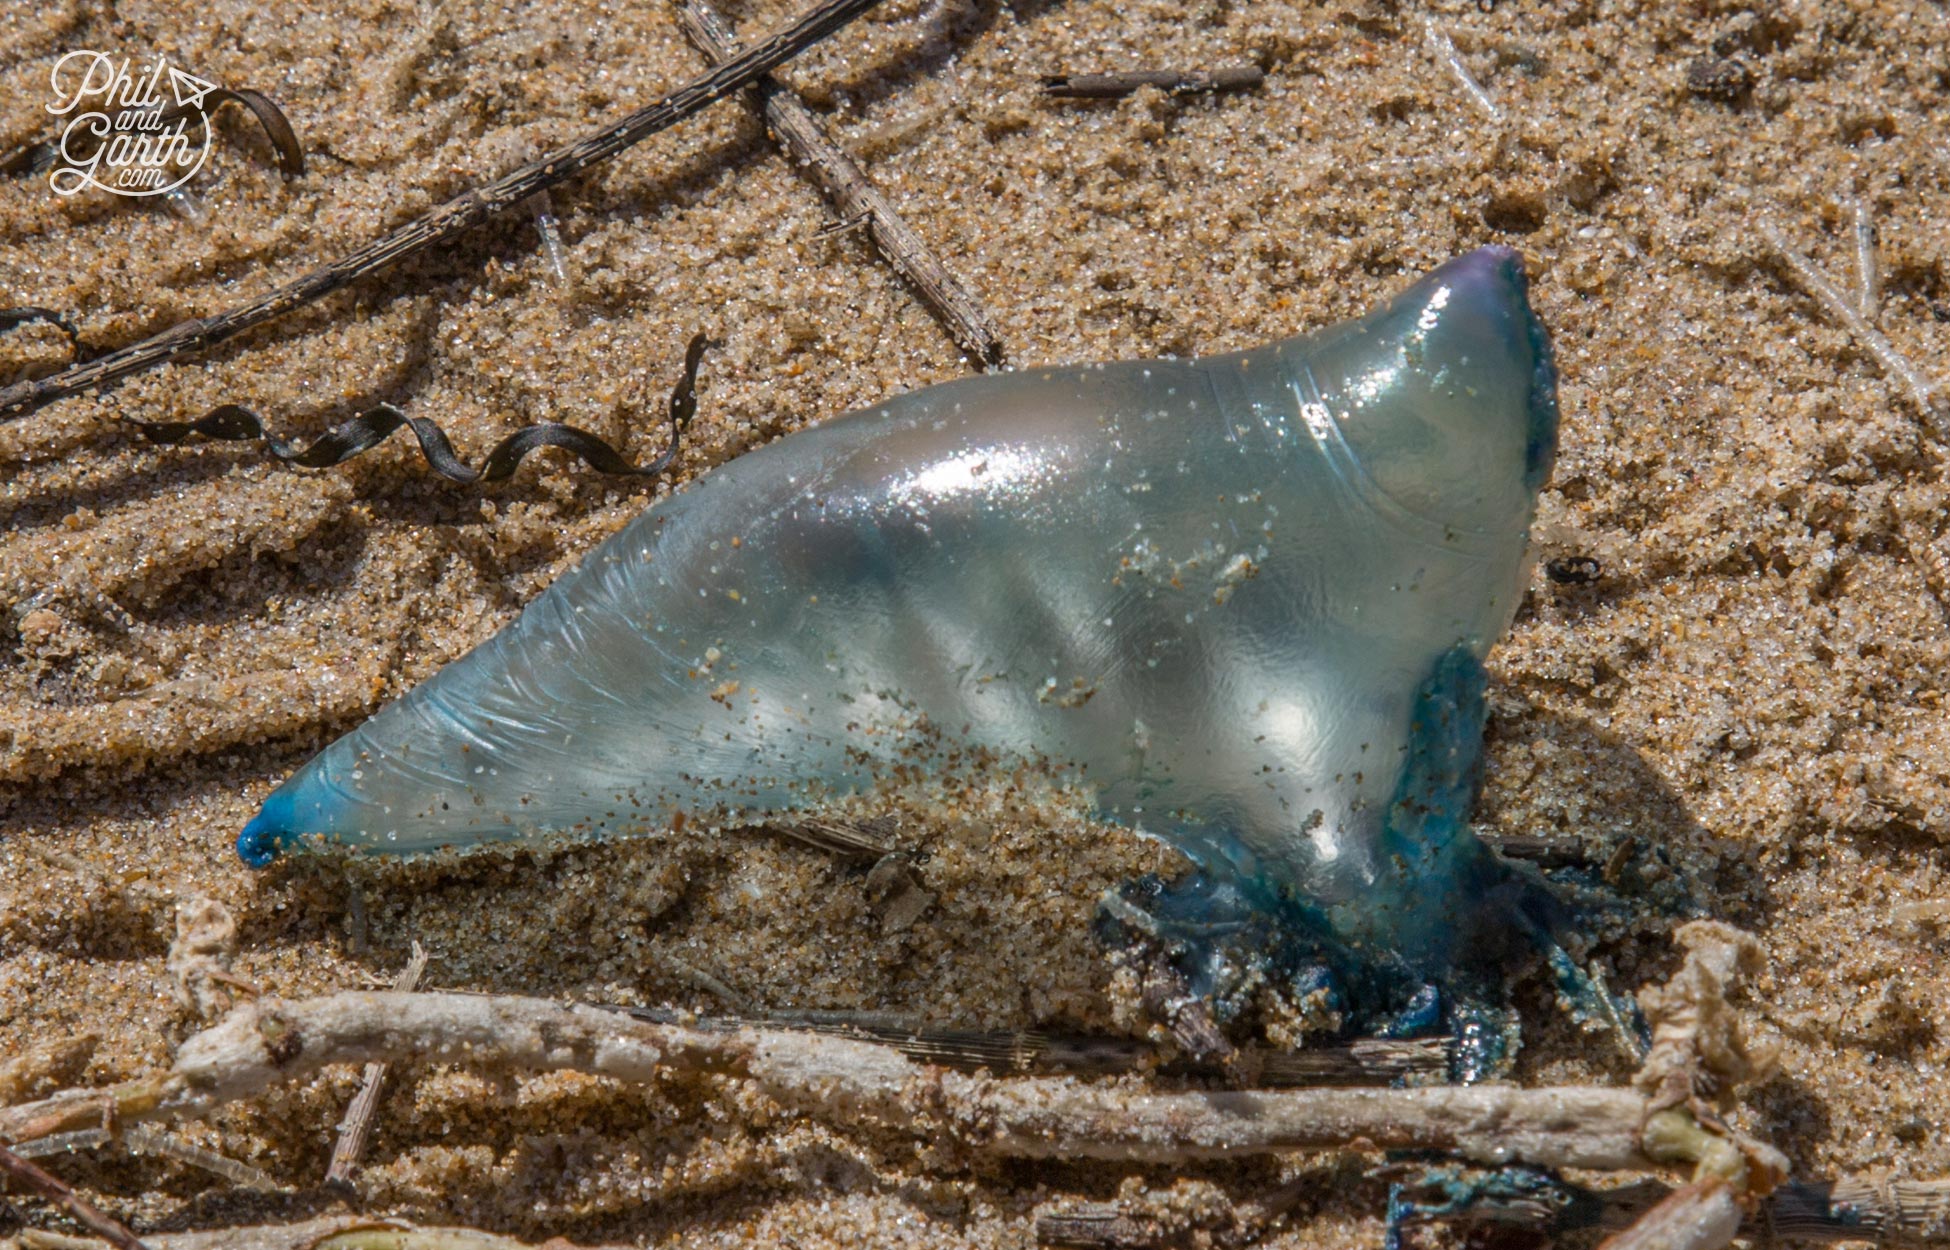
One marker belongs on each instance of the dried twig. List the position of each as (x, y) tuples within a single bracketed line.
[(357, 1125), (462, 213), (1171, 81), (852, 194), (270, 1042), (55, 1190), (1845, 311)]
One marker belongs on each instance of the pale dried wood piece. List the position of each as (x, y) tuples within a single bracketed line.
[(271, 1042), (356, 1127), (1361, 1061), (853, 195)]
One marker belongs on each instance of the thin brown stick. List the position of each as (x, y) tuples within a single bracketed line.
[(356, 1127), (270, 1042), (57, 1191), (462, 213), (1171, 81), (852, 194)]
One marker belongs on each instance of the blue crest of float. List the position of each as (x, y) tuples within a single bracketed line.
[(1244, 599)]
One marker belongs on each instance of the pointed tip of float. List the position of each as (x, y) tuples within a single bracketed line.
[(265, 835)]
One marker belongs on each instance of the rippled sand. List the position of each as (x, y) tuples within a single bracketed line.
[(1754, 684)]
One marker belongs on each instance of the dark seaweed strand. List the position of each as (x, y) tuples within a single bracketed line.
[(462, 213), (291, 153), (234, 422), (42, 155), (14, 318)]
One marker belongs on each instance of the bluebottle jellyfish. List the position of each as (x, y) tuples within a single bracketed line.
[(1243, 599)]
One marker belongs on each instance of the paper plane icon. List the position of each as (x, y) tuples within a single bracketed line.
[(189, 89)]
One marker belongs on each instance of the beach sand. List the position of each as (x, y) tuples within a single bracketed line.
[(1752, 690)]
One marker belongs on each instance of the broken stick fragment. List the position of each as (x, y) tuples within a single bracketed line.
[(356, 1127)]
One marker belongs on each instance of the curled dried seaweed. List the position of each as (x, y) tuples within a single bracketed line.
[(28, 314), (291, 153), (234, 422), (40, 155)]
